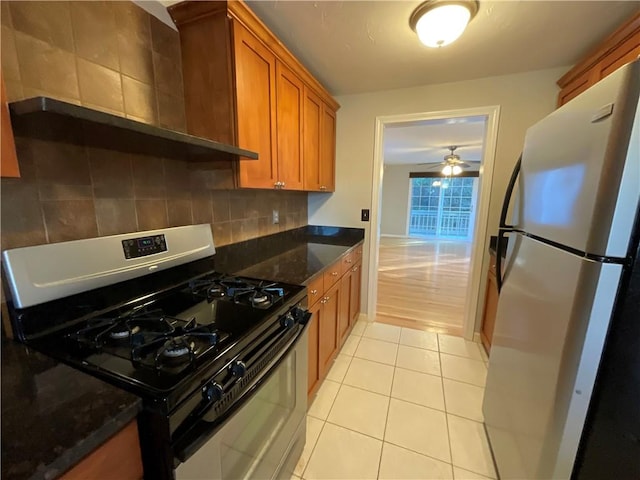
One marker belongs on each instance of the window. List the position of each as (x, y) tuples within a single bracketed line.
[(442, 207)]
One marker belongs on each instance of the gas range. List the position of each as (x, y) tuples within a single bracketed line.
[(194, 343)]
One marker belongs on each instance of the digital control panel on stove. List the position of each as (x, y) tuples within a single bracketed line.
[(143, 246)]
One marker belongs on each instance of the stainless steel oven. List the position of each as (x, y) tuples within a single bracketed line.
[(264, 438)]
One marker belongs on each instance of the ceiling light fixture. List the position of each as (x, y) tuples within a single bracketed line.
[(440, 22), (456, 170), (447, 170)]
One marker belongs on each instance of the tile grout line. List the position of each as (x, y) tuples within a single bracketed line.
[(392, 443), (386, 420), (304, 470), (444, 398), (325, 421)]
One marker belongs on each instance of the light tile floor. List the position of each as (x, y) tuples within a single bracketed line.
[(399, 404)]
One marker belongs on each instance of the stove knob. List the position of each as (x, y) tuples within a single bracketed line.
[(288, 321), (302, 316), (238, 369), (213, 391)]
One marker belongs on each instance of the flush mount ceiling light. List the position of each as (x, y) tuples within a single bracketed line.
[(440, 22)]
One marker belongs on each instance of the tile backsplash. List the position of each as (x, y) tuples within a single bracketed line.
[(115, 57)]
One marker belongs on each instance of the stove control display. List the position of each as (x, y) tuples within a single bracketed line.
[(143, 246)]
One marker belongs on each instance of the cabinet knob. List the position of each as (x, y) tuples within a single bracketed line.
[(282, 184), (323, 187), (323, 301), (348, 260), (313, 292), (276, 185), (354, 269), (326, 299), (334, 274)]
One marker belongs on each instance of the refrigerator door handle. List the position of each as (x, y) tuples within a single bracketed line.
[(503, 227), (508, 194)]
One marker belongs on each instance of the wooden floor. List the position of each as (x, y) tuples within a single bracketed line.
[(423, 283)]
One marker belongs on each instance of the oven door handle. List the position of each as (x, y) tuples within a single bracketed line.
[(192, 439)]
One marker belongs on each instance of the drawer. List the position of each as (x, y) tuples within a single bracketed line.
[(315, 290), (347, 262), (332, 274)]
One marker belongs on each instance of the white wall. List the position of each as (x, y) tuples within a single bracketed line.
[(395, 199), (524, 99)]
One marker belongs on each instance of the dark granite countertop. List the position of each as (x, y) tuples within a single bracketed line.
[(297, 265), (54, 415), (294, 256)]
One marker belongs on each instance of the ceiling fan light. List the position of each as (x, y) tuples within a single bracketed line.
[(447, 170), (440, 22), (456, 170)]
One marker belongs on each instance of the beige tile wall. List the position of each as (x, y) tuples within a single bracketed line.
[(115, 57)]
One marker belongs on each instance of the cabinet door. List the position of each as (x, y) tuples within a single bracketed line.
[(354, 301), (312, 115), (346, 287), (119, 457), (328, 338), (314, 323), (289, 100), (255, 80), (576, 87), (327, 149), (8, 160), (624, 53)]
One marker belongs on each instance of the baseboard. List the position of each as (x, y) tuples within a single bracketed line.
[(392, 235), (477, 338), (363, 316)]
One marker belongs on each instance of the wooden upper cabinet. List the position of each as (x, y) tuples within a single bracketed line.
[(242, 86), (621, 47), (9, 160), (255, 81), (289, 107), (312, 117), (328, 150)]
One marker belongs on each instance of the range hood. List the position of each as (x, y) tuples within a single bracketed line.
[(52, 119)]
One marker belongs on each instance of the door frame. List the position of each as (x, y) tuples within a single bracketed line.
[(479, 249)]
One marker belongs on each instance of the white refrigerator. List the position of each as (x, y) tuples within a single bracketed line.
[(562, 397)]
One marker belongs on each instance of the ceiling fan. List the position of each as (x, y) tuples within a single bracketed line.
[(451, 165)]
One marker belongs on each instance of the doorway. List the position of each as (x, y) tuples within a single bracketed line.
[(442, 218)]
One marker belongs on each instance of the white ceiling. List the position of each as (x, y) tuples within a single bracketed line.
[(427, 141), (363, 46)]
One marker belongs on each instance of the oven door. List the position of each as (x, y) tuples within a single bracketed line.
[(264, 438)]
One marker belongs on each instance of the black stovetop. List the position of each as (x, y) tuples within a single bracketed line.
[(167, 343)]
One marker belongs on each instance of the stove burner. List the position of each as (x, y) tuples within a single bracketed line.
[(175, 351), (124, 332), (255, 293), (259, 298), (216, 291)]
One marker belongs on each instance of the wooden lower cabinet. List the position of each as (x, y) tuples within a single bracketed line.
[(490, 306), (314, 332), (354, 301), (119, 457), (328, 329), (334, 303), (346, 289)]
